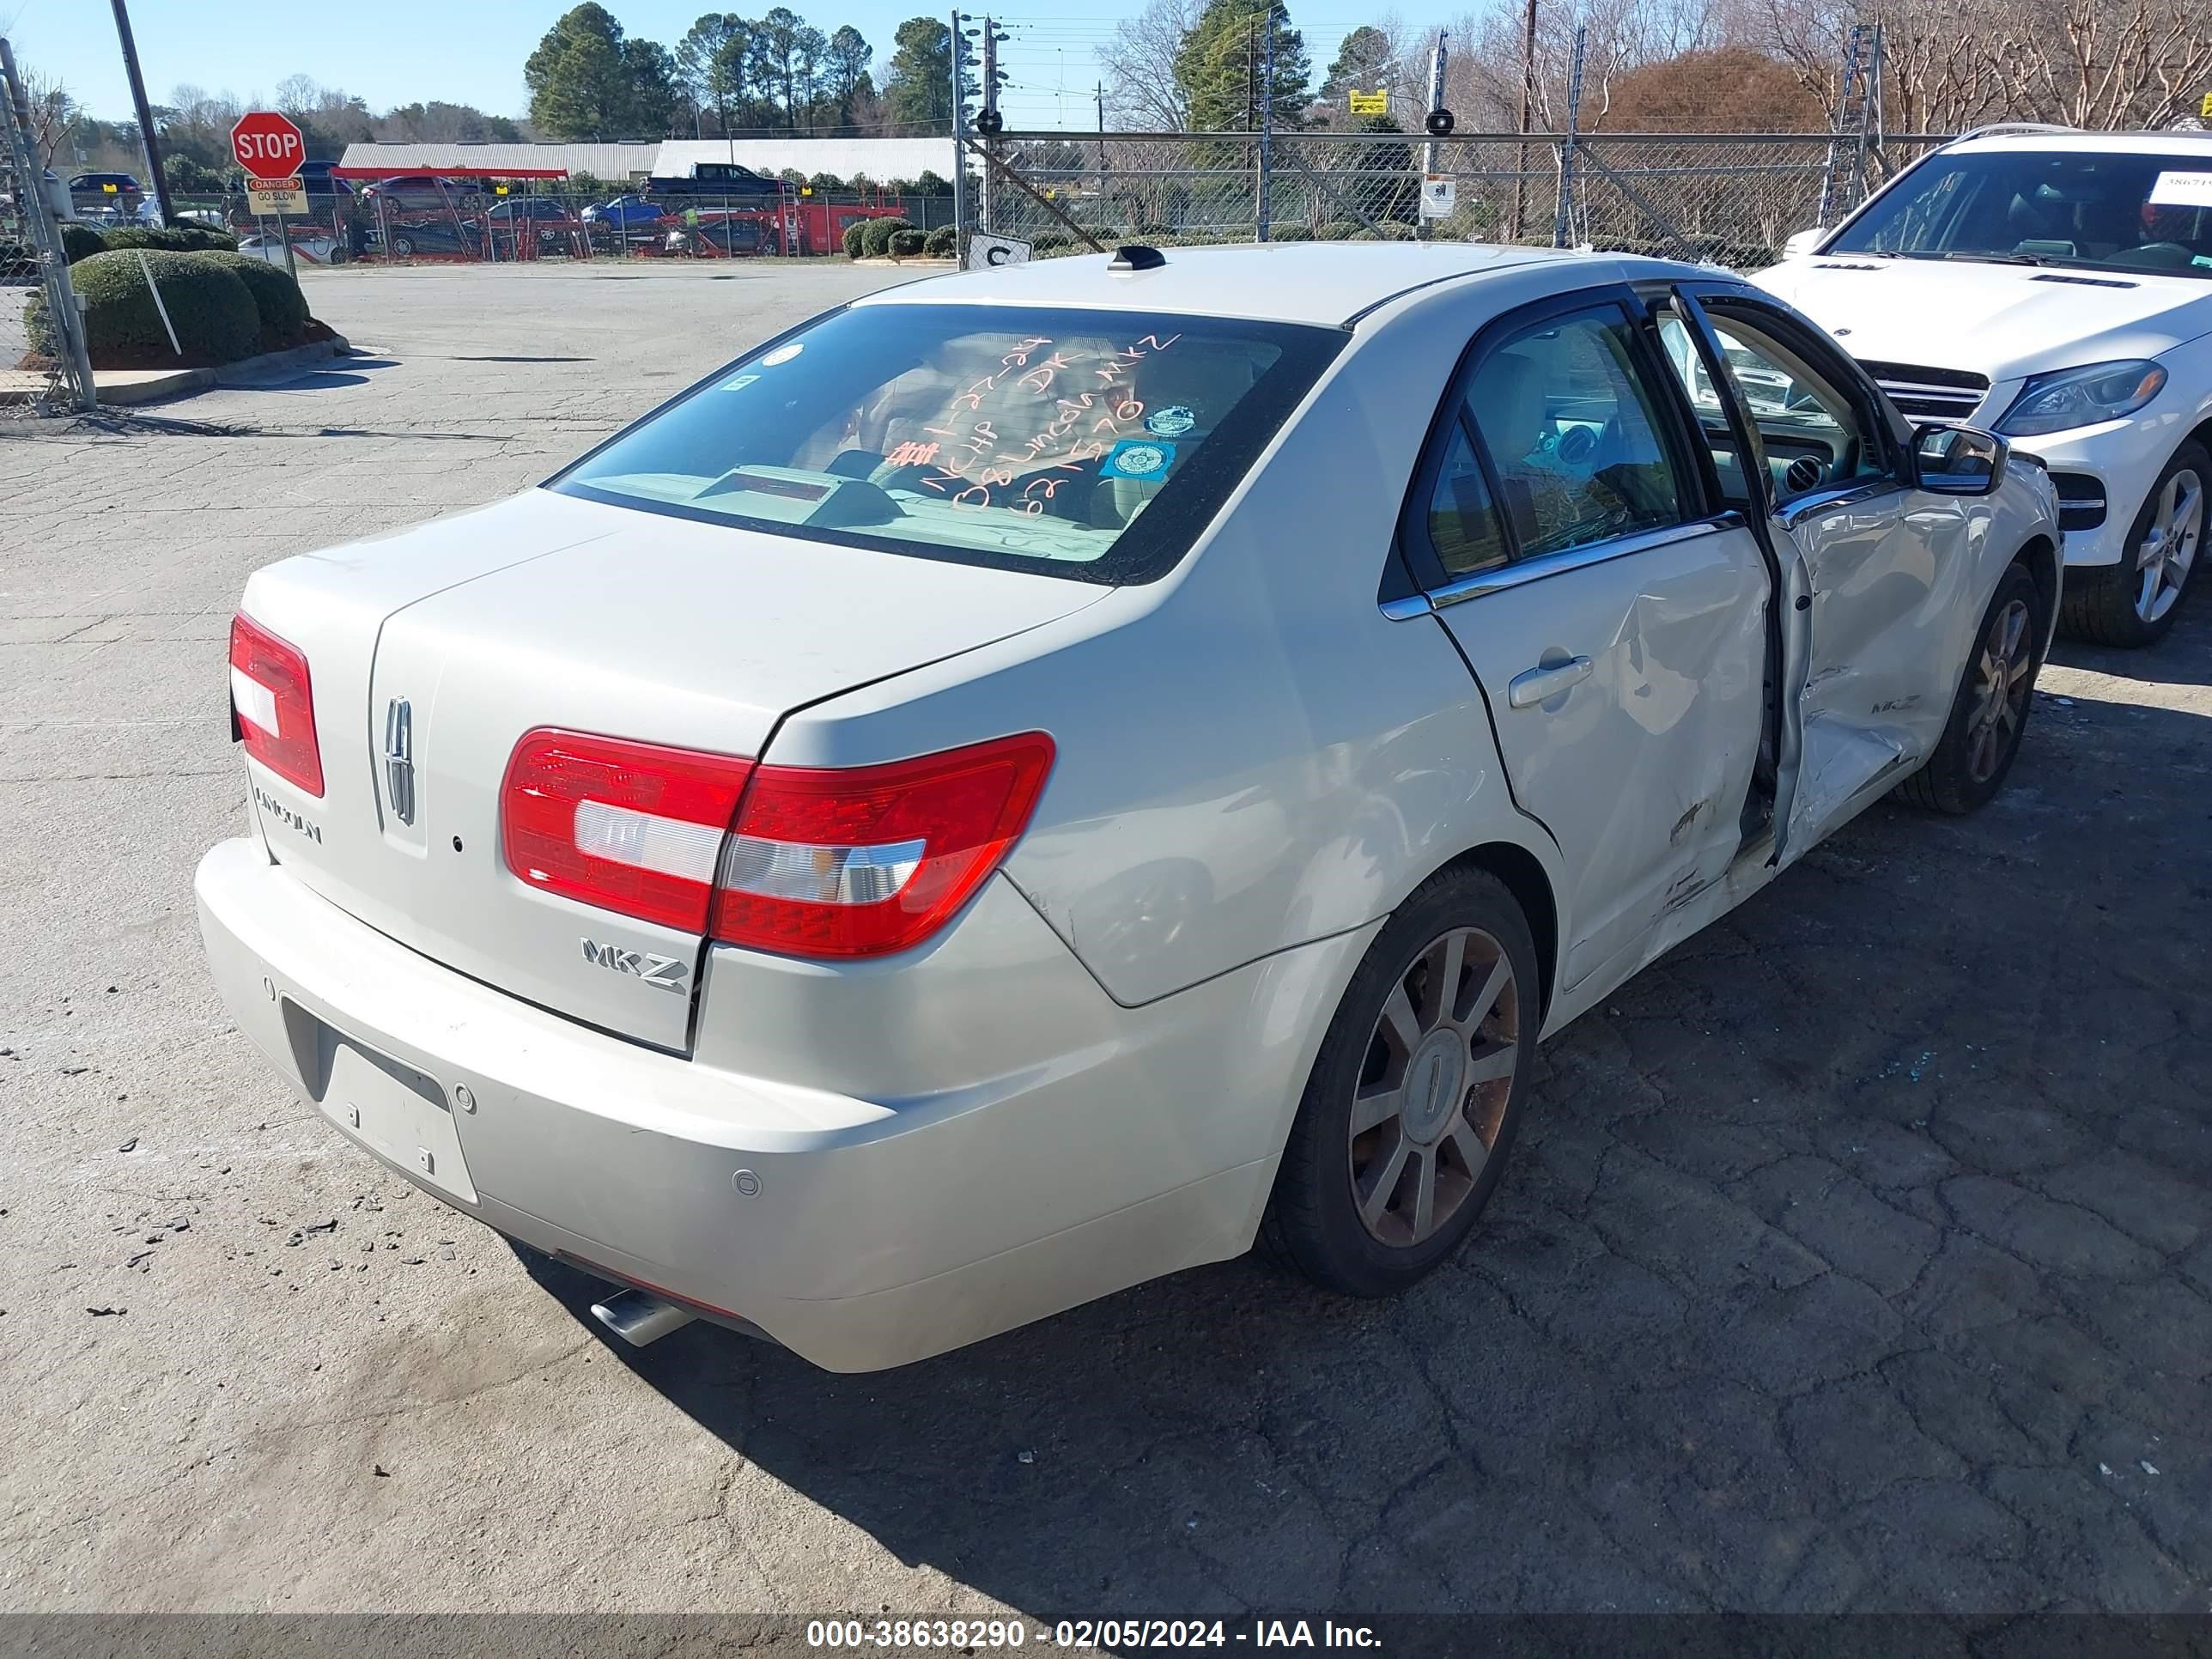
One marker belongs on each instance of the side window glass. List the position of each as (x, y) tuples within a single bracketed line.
[(1815, 436), (1707, 403), (1463, 525), (1574, 435)]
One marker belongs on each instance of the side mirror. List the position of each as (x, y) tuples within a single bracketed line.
[(1959, 460), (1802, 243)]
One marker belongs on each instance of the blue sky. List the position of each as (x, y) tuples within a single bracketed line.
[(471, 51)]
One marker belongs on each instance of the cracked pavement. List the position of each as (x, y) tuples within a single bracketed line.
[(1857, 1257)]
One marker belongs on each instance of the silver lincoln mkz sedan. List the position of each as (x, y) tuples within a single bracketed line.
[(1038, 778)]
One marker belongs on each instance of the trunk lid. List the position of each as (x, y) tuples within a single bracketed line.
[(431, 654)]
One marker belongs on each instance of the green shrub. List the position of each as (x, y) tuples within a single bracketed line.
[(276, 297), (212, 310), (81, 242), (877, 242), (1047, 242), (907, 243), (174, 239), (856, 235), (943, 243)]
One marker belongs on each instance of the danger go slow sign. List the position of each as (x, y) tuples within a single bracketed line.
[(267, 145)]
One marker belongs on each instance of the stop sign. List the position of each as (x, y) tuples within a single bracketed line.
[(267, 145)]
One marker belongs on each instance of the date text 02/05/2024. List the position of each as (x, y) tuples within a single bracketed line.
[(971, 1634)]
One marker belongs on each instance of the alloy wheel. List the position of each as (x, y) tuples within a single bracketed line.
[(2002, 674), (2169, 547), (1433, 1090)]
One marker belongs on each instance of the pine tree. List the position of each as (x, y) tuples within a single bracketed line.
[(1220, 69), (918, 83), (587, 81), (711, 64), (1364, 64)]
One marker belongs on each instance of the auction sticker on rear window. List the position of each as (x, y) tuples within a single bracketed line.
[(2182, 190)]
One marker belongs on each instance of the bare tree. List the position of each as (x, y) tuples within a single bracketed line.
[(2098, 64), (54, 112), (1948, 65), (1141, 89)]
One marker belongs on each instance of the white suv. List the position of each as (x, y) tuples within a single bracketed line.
[(2054, 286)]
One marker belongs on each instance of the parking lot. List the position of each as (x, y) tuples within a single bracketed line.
[(1858, 1256)]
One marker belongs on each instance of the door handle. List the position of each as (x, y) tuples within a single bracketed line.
[(1537, 685)]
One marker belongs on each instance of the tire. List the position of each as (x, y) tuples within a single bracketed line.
[(1981, 740), (403, 248), (2120, 605), (1474, 1065)]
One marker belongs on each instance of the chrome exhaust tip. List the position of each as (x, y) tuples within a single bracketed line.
[(639, 1318)]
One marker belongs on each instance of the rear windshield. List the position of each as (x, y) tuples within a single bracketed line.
[(1093, 444), (2064, 208)]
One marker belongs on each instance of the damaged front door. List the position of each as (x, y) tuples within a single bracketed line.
[(1867, 562), (1616, 620)]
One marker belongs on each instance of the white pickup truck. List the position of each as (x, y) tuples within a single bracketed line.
[(2054, 286)]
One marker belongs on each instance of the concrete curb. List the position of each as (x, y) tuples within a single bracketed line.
[(115, 387)]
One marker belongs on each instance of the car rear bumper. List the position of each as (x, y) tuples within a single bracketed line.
[(860, 1234)]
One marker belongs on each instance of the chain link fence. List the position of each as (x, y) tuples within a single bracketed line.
[(1720, 198), (20, 276), (43, 367), (420, 218)]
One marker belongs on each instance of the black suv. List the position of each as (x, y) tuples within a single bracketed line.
[(95, 193)]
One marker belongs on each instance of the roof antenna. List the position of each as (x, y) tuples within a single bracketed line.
[(1136, 256)]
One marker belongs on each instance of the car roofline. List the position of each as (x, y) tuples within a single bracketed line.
[(1366, 306)]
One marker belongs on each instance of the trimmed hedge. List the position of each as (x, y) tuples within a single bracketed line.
[(856, 235), (943, 243), (175, 239), (83, 241), (907, 244), (276, 297), (211, 306), (876, 242)]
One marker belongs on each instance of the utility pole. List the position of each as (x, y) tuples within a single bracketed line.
[(1251, 76), (1261, 205), (1527, 111), (149, 140), (1436, 102), (959, 134), (992, 123), (1563, 212)]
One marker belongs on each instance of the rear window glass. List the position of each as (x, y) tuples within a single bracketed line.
[(1093, 444)]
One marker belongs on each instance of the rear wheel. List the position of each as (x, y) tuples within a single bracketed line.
[(2133, 602), (1411, 1108), (1990, 711)]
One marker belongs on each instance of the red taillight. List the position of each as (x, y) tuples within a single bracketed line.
[(275, 709), (632, 827), (868, 860), (854, 862)]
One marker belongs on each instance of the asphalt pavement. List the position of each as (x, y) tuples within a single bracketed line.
[(1857, 1257)]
